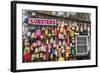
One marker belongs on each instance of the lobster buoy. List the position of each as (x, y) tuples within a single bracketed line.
[(36, 50), (51, 56), (46, 33), (64, 43), (60, 58), (61, 30), (59, 25), (50, 32), (43, 29), (54, 44), (41, 36), (68, 29), (68, 41), (59, 42), (67, 51), (34, 45), (60, 36), (73, 28), (37, 56), (38, 42), (57, 28), (26, 49), (55, 32), (72, 50), (50, 35), (41, 55), (49, 48), (44, 57), (27, 57), (71, 33), (47, 41), (51, 40), (38, 33), (28, 34), (65, 33), (57, 47), (33, 35)]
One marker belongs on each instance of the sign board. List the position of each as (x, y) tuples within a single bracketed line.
[(38, 21)]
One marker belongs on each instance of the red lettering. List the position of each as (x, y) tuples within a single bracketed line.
[(54, 22), (38, 21), (50, 22), (35, 21), (42, 21)]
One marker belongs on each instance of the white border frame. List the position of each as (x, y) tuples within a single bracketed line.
[(39, 65)]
